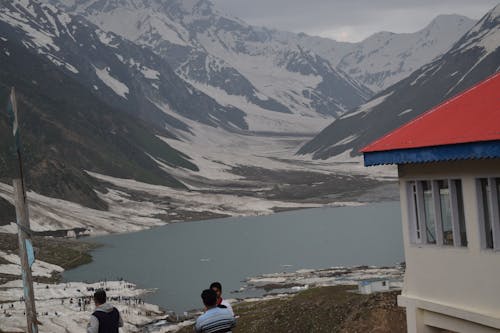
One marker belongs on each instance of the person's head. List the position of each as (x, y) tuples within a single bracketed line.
[(209, 298), (99, 297), (217, 287)]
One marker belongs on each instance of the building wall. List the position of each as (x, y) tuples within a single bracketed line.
[(369, 287), (467, 279)]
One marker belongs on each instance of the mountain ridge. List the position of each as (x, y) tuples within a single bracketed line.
[(66, 128), (473, 58)]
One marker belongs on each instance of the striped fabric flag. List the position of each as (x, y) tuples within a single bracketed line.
[(12, 111)]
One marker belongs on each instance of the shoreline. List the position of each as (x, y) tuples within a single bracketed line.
[(152, 316), (54, 300), (279, 210), (135, 206)]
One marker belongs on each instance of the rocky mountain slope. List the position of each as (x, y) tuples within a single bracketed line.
[(227, 58), (269, 69), (69, 102), (472, 59), (120, 73)]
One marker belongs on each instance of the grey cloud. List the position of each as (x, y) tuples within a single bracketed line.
[(360, 18)]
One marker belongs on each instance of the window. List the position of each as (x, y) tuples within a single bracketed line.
[(413, 207), (489, 207), (437, 212), (461, 212), (429, 213), (445, 203)]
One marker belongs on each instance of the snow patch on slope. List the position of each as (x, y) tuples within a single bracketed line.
[(118, 87), (262, 120), (367, 107), (199, 202), (39, 268), (260, 67)]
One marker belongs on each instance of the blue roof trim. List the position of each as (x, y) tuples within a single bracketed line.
[(465, 151)]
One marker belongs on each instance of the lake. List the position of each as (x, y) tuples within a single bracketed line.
[(182, 259)]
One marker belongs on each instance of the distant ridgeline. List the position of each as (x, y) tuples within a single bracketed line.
[(472, 59)]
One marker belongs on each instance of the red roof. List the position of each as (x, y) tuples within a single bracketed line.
[(471, 116)]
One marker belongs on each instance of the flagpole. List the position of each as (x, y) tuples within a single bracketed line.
[(23, 224)]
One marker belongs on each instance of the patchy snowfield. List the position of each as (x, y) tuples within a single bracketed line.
[(62, 307), (127, 215), (220, 188), (39, 268), (55, 214), (308, 278), (216, 152), (66, 307), (260, 119)]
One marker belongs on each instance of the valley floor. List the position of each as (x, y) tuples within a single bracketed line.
[(239, 176)]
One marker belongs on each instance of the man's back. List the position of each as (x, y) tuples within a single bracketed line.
[(215, 320), (105, 319)]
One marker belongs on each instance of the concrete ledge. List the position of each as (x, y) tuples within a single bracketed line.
[(485, 319)]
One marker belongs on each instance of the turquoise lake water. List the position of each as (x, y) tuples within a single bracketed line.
[(180, 260)]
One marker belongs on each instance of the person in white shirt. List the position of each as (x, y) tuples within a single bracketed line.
[(221, 303)]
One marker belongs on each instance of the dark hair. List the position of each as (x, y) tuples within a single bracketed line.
[(209, 297), (100, 296), (216, 285)]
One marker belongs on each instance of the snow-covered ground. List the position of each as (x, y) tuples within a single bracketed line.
[(216, 152), (291, 282), (260, 119), (56, 214), (66, 307), (128, 215), (39, 268), (214, 190)]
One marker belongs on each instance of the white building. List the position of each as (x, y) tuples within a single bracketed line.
[(449, 176), (367, 287)]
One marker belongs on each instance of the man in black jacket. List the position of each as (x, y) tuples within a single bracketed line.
[(106, 318)]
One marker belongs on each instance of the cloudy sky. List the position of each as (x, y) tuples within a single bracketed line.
[(349, 20)]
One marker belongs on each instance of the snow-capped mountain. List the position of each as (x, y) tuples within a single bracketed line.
[(246, 67), (472, 58), (259, 70), (385, 58), (119, 72), (162, 96)]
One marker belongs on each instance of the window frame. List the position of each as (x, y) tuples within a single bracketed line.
[(416, 213), (494, 212)]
